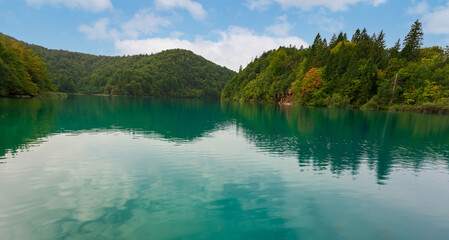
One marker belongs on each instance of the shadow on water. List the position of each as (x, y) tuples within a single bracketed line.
[(325, 139)]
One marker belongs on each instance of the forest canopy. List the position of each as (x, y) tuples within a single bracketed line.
[(342, 72), (22, 71), (171, 73)]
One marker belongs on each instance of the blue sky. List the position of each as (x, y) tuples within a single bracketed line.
[(230, 32)]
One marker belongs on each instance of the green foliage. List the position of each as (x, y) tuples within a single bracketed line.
[(413, 42), (267, 78), (22, 72), (357, 73), (171, 73), (337, 101), (373, 104), (427, 107)]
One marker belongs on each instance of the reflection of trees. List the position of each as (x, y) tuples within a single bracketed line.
[(340, 140), (183, 119), (334, 139), (23, 121)]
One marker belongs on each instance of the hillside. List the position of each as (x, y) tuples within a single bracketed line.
[(171, 73), (22, 71), (360, 72)]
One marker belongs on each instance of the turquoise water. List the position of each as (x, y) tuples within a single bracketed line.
[(138, 168)]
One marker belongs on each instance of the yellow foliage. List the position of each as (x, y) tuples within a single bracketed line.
[(337, 48)]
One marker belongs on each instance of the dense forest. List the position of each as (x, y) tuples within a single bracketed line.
[(22, 71), (171, 73), (357, 72)]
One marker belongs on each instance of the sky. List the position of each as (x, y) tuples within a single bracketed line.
[(229, 32)]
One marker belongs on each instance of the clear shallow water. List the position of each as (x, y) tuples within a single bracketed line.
[(138, 168)]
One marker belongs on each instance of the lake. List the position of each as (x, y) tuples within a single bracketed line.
[(90, 167)]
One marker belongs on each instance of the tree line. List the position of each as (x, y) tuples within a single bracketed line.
[(358, 72)]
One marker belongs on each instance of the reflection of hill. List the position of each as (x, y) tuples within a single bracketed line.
[(24, 120), (338, 140), (184, 119)]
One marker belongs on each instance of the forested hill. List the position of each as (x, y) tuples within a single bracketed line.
[(171, 73), (22, 71), (358, 72)]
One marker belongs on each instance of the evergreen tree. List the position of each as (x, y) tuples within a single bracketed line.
[(394, 52), (413, 42), (364, 35), (357, 36), (378, 52), (341, 37), (333, 41)]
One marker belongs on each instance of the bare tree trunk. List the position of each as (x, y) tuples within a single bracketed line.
[(394, 88)]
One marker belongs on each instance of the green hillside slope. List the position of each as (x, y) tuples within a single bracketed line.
[(171, 73), (357, 72)]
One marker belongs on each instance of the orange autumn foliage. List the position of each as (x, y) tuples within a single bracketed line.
[(312, 80)]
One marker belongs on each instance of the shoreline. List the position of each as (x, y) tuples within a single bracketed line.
[(425, 108), (42, 95)]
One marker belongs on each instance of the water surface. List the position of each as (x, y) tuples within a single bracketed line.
[(138, 168)]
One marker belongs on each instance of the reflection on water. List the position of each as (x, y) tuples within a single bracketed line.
[(340, 140), (334, 139), (139, 168)]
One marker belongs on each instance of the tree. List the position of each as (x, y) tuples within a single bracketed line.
[(394, 52), (378, 52), (312, 80), (413, 42), (364, 35), (356, 37), (317, 51), (333, 41), (21, 70)]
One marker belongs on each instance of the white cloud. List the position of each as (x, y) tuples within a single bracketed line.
[(281, 27), (196, 9), (420, 8), (325, 23), (99, 30), (89, 5), (437, 21), (176, 34), (260, 5), (143, 23), (236, 46), (334, 5)]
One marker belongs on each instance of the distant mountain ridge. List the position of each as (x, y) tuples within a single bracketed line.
[(170, 73)]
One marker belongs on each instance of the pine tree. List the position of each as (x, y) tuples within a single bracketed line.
[(341, 37), (333, 41), (380, 40), (378, 52), (364, 35), (413, 42), (394, 52), (317, 41), (356, 37), (316, 52)]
